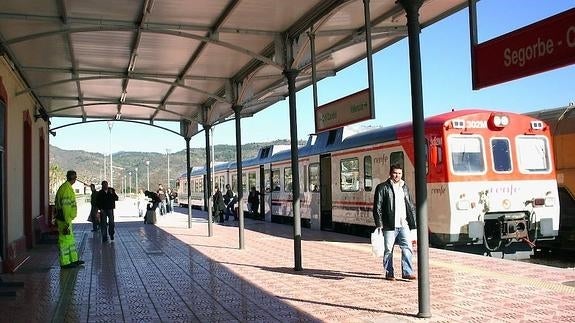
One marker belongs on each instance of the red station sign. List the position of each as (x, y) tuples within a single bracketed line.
[(539, 47)]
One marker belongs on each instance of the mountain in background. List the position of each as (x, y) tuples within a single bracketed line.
[(91, 167)]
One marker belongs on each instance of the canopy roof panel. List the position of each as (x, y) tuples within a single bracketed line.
[(170, 60)]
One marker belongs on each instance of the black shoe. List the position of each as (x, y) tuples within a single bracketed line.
[(112, 237), (68, 266), (79, 262)]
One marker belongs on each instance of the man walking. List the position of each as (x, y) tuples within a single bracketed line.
[(107, 203), (66, 211), (394, 212)]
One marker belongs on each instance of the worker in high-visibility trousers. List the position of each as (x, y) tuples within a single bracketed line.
[(66, 211)]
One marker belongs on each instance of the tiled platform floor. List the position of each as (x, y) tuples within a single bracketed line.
[(169, 273)]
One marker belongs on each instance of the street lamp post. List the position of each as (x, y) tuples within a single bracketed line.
[(130, 183), (110, 124), (168, 153), (148, 170), (137, 185)]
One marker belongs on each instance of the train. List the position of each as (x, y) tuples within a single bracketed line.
[(561, 122), (491, 178)]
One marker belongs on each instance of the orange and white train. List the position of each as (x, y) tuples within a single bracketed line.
[(490, 178)]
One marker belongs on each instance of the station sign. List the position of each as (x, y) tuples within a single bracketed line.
[(545, 45), (347, 110)]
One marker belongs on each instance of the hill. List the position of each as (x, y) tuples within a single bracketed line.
[(91, 167)]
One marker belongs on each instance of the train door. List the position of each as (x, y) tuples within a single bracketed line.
[(205, 192), (262, 190), (325, 192)]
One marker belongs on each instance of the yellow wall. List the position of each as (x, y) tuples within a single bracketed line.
[(15, 108)]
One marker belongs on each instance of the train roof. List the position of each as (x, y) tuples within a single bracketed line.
[(348, 137), (560, 120)]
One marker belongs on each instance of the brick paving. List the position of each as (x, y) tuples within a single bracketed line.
[(169, 273)]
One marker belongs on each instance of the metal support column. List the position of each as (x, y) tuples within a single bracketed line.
[(473, 39), (291, 75), (208, 186), (412, 9), (237, 109), (311, 36), (369, 56), (188, 178)]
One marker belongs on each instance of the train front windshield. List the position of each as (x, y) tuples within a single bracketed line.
[(468, 155)]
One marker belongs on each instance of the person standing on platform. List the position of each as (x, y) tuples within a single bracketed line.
[(230, 201), (107, 203), (94, 216), (219, 206), (394, 212), (162, 194), (254, 201), (66, 211)]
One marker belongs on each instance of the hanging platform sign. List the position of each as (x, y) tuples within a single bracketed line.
[(347, 110), (539, 47)]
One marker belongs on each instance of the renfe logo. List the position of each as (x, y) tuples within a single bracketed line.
[(539, 47)]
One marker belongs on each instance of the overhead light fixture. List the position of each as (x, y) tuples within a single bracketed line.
[(118, 116), (123, 97), (132, 63)]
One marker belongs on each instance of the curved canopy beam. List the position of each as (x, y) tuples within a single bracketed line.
[(125, 103), (112, 77), (53, 130), (176, 33)]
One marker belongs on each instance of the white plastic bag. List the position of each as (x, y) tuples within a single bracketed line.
[(377, 242)]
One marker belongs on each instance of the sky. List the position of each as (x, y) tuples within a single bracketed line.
[(446, 71)]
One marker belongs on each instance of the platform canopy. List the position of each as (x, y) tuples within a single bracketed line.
[(173, 60)]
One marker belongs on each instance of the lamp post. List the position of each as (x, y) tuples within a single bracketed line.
[(168, 154), (110, 124), (130, 183), (137, 185), (148, 170)]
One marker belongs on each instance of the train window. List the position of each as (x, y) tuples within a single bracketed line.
[(313, 175), (331, 137), (367, 173), (349, 174), (251, 180), (303, 171), (533, 154), (287, 179), (235, 183), (467, 154), (396, 157), (276, 179), (501, 155), (267, 181)]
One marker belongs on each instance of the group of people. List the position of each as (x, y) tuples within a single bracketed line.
[(103, 203), (149, 202), (224, 204), (393, 213)]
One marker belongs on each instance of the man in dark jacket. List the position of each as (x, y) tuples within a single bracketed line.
[(107, 203), (394, 213)]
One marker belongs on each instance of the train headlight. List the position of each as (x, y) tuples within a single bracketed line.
[(499, 120), (549, 201), (463, 205), (506, 204)]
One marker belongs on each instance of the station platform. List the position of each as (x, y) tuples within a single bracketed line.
[(169, 273)]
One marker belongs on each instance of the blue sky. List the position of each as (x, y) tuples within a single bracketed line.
[(445, 56)]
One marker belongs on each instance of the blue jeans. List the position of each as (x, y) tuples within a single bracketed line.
[(401, 237)]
